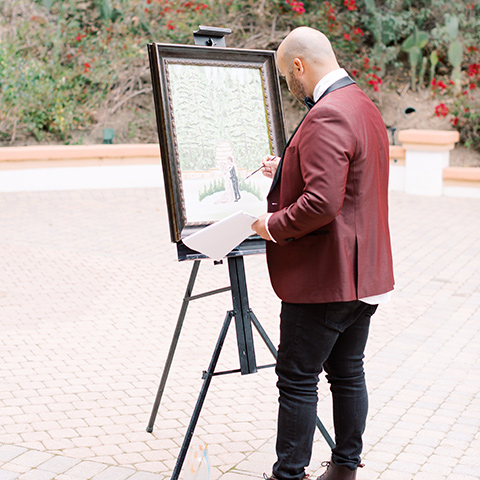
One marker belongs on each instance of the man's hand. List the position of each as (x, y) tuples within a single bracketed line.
[(259, 227), (270, 164)]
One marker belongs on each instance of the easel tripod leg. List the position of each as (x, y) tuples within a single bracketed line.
[(173, 345), (201, 398), (273, 350), (263, 334), (325, 434)]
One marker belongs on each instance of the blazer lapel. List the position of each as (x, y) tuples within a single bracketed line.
[(342, 82), (279, 168)]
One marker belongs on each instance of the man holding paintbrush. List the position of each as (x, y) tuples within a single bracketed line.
[(328, 252)]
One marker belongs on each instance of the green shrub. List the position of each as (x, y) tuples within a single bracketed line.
[(67, 65)]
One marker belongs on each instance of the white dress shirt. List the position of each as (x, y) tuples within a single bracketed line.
[(327, 81)]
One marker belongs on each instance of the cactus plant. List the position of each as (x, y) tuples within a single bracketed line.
[(455, 50), (413, 45), (382, 52)]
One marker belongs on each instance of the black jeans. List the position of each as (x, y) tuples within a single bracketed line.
[(330, 336)]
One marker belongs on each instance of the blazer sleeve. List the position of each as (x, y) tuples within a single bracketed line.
[(323, 151)]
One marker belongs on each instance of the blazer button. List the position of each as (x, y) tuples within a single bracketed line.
[(291, 239)]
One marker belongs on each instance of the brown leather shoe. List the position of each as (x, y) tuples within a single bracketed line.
[(337, 472)]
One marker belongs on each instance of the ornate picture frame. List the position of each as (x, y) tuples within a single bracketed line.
[(219, 112)]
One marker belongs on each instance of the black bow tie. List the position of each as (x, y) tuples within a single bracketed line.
[(308, 102)]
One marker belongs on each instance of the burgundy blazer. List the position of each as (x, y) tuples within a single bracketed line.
[(330, 205)]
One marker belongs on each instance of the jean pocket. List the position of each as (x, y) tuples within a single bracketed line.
[(340, 315)]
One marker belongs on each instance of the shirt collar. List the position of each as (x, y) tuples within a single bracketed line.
[(328, 80)]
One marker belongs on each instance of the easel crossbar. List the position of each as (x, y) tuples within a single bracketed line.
[(212, 292), (237, 370)]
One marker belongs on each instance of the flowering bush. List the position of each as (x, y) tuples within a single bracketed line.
[(65, 66), (463, 108), (465, 112), (68, 67)]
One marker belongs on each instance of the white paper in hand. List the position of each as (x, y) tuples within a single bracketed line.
[(220, 238)]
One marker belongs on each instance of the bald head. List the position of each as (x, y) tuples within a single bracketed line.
[(308, 44), (307, 54)]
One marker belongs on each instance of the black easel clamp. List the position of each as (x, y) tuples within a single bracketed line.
[(211, 36)]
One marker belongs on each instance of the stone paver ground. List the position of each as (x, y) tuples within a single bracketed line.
[(90, 290)]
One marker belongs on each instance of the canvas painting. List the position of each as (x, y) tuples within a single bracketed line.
[(222, 135)]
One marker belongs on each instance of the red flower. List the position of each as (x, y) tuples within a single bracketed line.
[(170, 26), (297, 7), (346, 36), (374, 81), (473, 69), (350, 4), (441, 110), (455, 121), (86, 67), (472, 86)]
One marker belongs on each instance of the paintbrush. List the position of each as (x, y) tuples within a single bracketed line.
[(255, 171)]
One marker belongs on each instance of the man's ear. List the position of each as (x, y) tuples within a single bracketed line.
[(298, 66)]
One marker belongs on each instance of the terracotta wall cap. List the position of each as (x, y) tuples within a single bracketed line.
[(468, 174), (66, 152), (428, 137)]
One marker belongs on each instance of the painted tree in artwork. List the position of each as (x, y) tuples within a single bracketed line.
[(249, 130), (194, 118), (214, 104)]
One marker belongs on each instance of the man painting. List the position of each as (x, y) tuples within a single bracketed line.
[(328, 253)]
